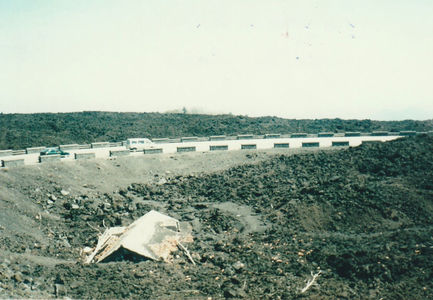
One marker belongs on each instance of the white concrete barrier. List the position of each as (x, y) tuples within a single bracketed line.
[(325, 134), (310, 144), (49, 158), (69, 147), (248, 146), (189, 139), (152, 150), (88, 155), (186, 149), (217, 138), (5, 153), (160, 140), (119, 153), (12, 163), (340, 143), (298, 135), (352, 133), (100, 145), (281, 145), (19, 152), (35, 149), (245, 137), (218, 147), (115, 144), (258, 143)]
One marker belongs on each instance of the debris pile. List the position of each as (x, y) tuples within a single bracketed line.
[(154, 236)]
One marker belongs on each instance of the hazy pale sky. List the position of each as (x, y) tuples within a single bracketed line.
[(295, 59)]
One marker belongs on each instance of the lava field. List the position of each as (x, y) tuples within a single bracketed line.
[(361, 219)]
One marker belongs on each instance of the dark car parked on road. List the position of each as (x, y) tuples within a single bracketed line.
[(54, 151)]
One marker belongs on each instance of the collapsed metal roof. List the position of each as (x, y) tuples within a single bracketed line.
[(154, 235)]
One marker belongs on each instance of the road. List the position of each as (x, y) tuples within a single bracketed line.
[(203, 146)]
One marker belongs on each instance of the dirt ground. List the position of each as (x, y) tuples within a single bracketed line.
[(263, 222)]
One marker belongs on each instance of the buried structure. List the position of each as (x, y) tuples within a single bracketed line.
[(153, 236)]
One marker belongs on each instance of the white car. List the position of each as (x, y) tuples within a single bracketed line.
[(138, 144)]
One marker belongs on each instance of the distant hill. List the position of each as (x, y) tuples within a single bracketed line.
[(19, 131)]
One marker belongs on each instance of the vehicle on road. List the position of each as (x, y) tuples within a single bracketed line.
[(53, 151), (138, 144)]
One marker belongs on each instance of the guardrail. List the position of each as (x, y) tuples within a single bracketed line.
[(352, 134), (35, 149), (218, 147), (245, 136), (152, 150), (288, 135), (160, 140), (116, 144), (69, 147), (186, 149), (325, 134), (5, 153), (12, 162), (248, 146), (49, 158), (298, 135), (247, 141), (272, 136), (116, 153), (100, 145), (80, 156), (19, 152), (189, 139), (310, 144), (340, 144), (281, 145), (219, 138)]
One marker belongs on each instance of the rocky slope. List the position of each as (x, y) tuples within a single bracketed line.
[(262, 223)]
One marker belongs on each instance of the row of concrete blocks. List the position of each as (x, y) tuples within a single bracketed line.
[(6, 153), (69, 147), (117, 153), (92, 146), (293, 135), (77, 156), (251, 136), (238, 137), (43, 159), (221, 138), (254, 146)]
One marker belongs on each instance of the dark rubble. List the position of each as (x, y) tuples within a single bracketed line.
[(363, 216)]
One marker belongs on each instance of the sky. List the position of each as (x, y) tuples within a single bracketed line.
[(370, 59)]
